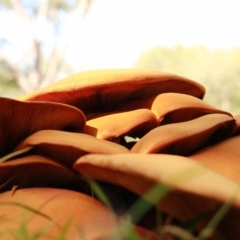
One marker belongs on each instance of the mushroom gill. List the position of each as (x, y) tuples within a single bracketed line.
[(103, 90), (113, 125), (20, 119)]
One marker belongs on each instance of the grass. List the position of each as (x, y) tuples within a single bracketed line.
[(15, 154)]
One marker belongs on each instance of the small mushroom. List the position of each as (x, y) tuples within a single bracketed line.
[(113, 125), (186, 137), (67, 147), (102, 90), (20, 119), (172, 107), (38, 171)]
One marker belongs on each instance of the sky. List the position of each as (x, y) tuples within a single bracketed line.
[(115, 32)]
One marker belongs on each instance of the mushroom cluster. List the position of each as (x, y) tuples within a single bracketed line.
[(164, 160)]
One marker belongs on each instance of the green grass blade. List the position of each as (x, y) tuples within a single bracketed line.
[(29, 209), (144, 204), (14, 154)]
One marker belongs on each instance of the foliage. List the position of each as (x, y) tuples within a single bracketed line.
[(217, 69), (8, 85), (47, 27)]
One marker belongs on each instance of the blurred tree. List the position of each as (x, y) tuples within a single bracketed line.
[(8, 85), (41, 61), (217, 69)]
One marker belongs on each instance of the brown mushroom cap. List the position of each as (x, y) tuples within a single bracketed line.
[(223, 158), (84, 217), (187, 188), (20, 119), (113, 125), (103, 90), (89, 219), (172, 107), (37, 171), (67, 147), (186, 137)]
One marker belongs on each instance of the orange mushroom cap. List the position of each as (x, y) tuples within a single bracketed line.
[(87, 218), (103, 90), (56, 210), (113, 125), (188, 187), (172, 107), (20, 119), (38, 171), (67, 147), (186, 137)]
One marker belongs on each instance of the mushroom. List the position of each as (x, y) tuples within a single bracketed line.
[(113, 125), (57, 212), (20, 119), (102, 90), (119, 103), (53, 211), (186, 137), (67, 147), (38, 171), (178, 185), (172, 107)]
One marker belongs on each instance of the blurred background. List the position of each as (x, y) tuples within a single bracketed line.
[(43, 41)]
